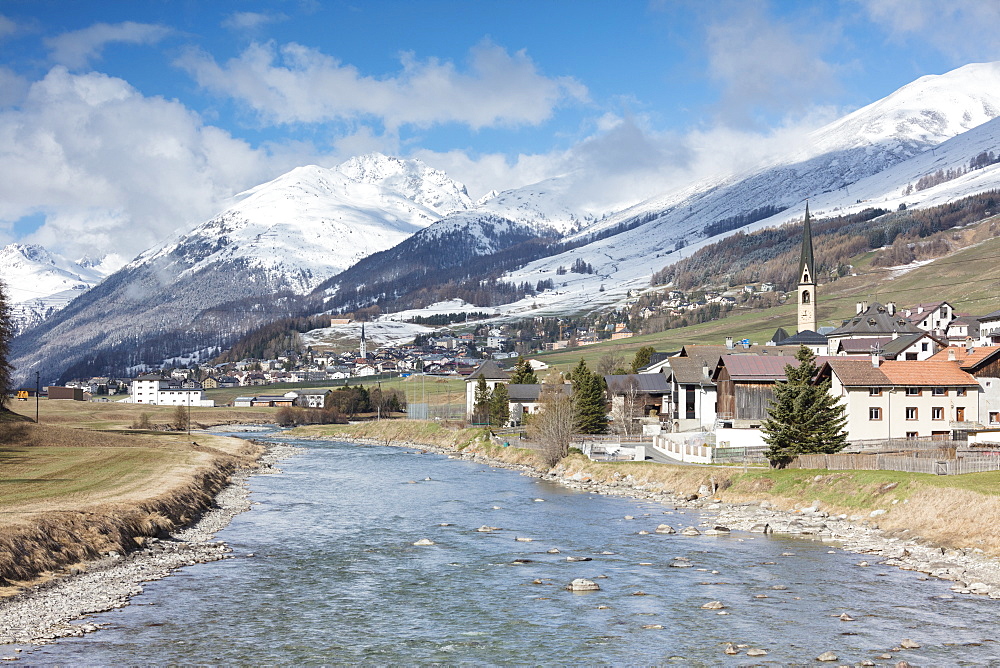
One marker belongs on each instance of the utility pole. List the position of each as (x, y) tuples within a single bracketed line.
[(37, 390)]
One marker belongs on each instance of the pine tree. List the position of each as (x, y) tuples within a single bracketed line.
[(523, 373), (6, 334), (804, 418), (588, 400), (500, 406), (481, 409), (642, 358)]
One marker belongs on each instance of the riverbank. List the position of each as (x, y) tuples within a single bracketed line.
[(58, 607), (937, 525)]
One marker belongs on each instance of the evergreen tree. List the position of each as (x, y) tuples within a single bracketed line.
[(500, 406), (642, 358), (588, 400), (523, 373), (804, 418), (481, 407), (6, 334)]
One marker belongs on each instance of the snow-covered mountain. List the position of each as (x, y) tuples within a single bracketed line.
[(251, 263), (39, 282)]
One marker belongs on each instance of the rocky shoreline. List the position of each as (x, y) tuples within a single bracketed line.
[(59, 608), (972, 571)]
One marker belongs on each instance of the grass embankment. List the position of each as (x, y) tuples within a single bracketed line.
[(69, 495), (952, 511)]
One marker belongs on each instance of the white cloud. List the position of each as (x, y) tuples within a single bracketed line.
[(13, 87), (297, 84), (77, 48), (249, 21), (766, 64), (111, 169), (7, 26), (961, 29)]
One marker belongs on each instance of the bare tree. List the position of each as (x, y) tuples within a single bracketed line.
[(553, 428), (610, 362), (627, 403)]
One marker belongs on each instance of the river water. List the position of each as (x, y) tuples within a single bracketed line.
[(335, 578)]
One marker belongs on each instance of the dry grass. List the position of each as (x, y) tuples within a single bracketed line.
[(68, 495), (113, 415)]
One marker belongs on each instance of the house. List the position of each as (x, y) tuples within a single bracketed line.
[(904, 399), (989, 329), (875, 320), (524, 399), (156, 390), (864, 347), (934, 317), (312, 398), (814, 341), (984, 365), (621, 332), (963, 328), (651, 390), (71, 393), (692, 394), (271, 401), (243, 402), (913, 347), (493, 376)]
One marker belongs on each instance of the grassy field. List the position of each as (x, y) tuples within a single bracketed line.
[(113, 415)]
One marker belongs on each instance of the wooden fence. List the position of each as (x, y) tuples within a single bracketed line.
[(907, 463)]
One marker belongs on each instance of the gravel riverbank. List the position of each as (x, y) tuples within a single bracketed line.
[(59, 608)]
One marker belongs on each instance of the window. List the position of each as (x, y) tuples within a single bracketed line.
[(874, 413), (911, 413), (923, 347), (960, 391), (937, 413), (940, 391), (994, 417), (913, 391), (874, 391), (911, 435)]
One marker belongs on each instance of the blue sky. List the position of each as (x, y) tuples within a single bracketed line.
[(124, 122)]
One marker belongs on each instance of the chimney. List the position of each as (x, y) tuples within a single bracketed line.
[(969, 346), (864, 306), (875, 360), (860, 308), (951, 354), (704, 368), (891, 306), (920, 308), (729, 342)]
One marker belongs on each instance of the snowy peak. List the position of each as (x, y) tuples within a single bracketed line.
[(31, 271), (928, 111), (411, 178)]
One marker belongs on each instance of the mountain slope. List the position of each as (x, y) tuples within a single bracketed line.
[(250, 264)]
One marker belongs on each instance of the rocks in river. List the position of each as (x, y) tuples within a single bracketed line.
[(731, 649), (756, 651), (717, 530), (713, 605), (572, 558), (846, 618), (909, 644), (779, 587), (665, 528), (424, 541), (761, 528), (629, 517), (643, 533), (582, 584), (523, 539), (639, 593), (554, 550), (690, 531), (652, 626), (539, 500), (827, 656), (487, 529)]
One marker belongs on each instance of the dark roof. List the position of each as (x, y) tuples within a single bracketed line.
[(779, 335), (691, 370), (989, 316), (901, 343), (529, 392), (875, 321), (863, 345), (647, 383), (806, 337), (490, 371)]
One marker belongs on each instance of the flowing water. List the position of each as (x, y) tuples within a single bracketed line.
[(335, 578)]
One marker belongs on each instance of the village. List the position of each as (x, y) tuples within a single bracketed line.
[(922, 382)]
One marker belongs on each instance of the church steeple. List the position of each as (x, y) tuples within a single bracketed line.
[(364, 344), (807, 280)]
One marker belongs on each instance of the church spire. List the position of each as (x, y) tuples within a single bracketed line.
[(806, 263), (364, 344), (807, 280)]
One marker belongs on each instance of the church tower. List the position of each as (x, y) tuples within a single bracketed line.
[(363, 353), (807, 280)]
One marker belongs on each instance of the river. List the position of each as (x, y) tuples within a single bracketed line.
[(334, 577)]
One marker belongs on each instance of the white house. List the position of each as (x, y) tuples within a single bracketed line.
[(156, 390), (904, 399), (989, 329)]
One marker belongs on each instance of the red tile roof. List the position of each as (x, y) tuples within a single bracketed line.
[(926, 373), (962, 356)]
